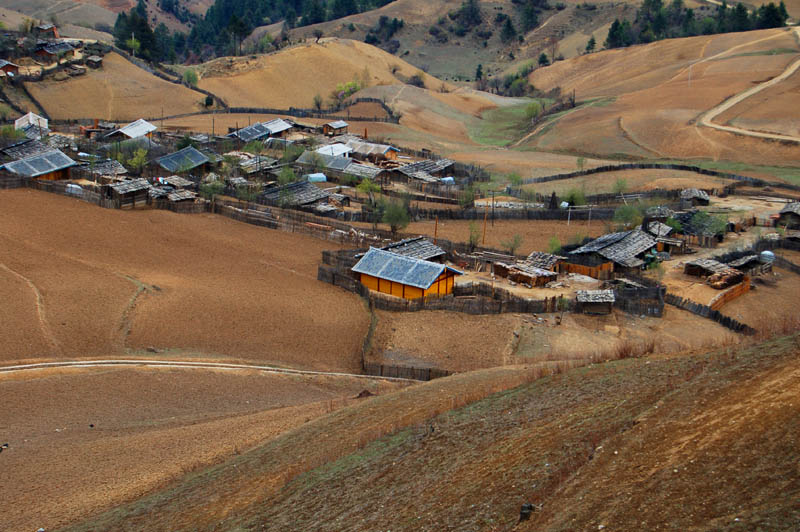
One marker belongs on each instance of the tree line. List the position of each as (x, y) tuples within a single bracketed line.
[(655, 21)]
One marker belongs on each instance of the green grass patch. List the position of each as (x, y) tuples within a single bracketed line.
[(774, 51), (503, 125)]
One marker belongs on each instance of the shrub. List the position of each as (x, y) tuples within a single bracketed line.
[(554, 245), (208, 190), (512, 244), (190, 77), (417, 80), (575, 197)]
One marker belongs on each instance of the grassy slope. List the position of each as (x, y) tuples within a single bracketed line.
[(597, 445)]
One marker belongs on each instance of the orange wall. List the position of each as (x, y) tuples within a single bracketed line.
[(442, 286)]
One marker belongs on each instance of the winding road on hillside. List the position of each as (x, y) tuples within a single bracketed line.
[(707, 118), (173, 364)]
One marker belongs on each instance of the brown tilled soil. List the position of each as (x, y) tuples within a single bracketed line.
[(117, 91), (99, 283), (81, 440), (448, 340), (635, 181)]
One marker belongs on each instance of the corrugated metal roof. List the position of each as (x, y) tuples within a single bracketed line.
[(337, 124), (400, 269), (363, 147), (336, 150), (658, 229), (793, 207), (183, 160), (136, 129), (418, 248), (328, 161), (362, 170), (252, 132), (40, 164), (277, 125), (26, 148), (3, 63)]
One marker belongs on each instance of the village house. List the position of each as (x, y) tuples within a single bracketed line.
[(404, 277), (297, 194), (625, 249), (279, 128), (337, 127), (789, 217), (184, 160), (693, 197), (53, 51), (365, 150), (46, 31), (94, 61), (176, 182), (138, 129), (49, 165), (24, 148), (260, 130), (427, 171), (335, 150), (597, 302)]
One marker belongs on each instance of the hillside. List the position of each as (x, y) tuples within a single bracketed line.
[(92, 282), (623, 445), (118, 91), (621, 119), (292, 77)]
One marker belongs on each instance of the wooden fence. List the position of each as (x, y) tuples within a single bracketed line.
[(730, 294), (707, 312), (603, 272), (404, 372)]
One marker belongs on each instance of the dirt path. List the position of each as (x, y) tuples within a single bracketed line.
[(707, 118), (186, 365), (40, 312)]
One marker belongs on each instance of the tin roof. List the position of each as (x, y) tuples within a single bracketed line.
[(337, 150), (25, 148), (400, 269), (40, 164), (252, 132), (277, 125), (418, 248), (362, 170), (182, 160), (363, 147), (328, 161), (136, 129), (3, 63), (793, 207), (337, 124), (658, 229)]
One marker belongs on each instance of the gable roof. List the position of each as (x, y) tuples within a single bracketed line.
[(418, 248), (25, 148), (691, 193), (40, 164), (30, 119), (362, 170), (259, 162), (297, 193), (363, 147), (182, 160), (337, 150), (251, 132), (337, 124), (106, 167), (621, 248), (658, 229), (3, 63), (793, 208), (277, 125), (329, 161), (400, 269), (543, 260), (176, 181), (134, 130)]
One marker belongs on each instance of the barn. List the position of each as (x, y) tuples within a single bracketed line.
[(49, 165), (404, 277)]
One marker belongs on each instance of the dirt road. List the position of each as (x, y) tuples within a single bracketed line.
[(707, 118)]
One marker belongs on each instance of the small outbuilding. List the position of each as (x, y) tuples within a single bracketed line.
[(404, 277), (595, 301), (417, 248), (7, 67), (94, 61), (46, 31), (789, 217), (297, 194), (337, 127), (692, 197), (128, 194), (138, 129), (544, 261)]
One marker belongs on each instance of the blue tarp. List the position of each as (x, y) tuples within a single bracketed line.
[(316, 178)]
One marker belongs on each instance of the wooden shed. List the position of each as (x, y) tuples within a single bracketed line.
[(129, 194), (404, 277), (337, 127), (595, 301), (8, 67), (789, 216)]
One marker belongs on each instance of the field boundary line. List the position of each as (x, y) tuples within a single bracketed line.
[(187, 365), (40, 312)]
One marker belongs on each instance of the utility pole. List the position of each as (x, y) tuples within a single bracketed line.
[(485, 215), (492, 208)]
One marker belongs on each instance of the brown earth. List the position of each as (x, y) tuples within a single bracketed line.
[(535, 234), (628, 123), (635, 181), (690, 442), (316, 69), (117, 91), (112, 281), (81, 440)]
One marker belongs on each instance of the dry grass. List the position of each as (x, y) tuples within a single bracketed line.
[(117, 91)]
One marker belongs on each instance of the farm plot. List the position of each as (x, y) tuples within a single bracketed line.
[(81, 440), (102, 282), (118, 91), (631, 181)]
